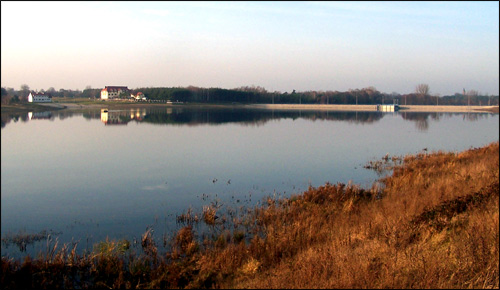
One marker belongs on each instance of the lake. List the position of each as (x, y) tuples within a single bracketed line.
[(83, 176)]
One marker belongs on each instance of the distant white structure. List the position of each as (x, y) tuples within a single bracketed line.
[(388, 108), (39, 98), (111, 92)]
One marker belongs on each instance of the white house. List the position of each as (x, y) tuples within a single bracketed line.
[(39, 98), (110, 92)]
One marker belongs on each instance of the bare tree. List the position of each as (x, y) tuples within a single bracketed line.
[(473, 94), (437, 99), (25, 91), (422, 89), (51, 91)]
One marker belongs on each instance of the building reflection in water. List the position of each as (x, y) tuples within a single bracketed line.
[(121, 117), (40, 115)]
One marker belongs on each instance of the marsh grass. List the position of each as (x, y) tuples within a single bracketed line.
[(433, 223), (22, 239), (385, 164)]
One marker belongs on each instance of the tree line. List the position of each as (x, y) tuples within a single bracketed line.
[(11, 95), (257, 94)]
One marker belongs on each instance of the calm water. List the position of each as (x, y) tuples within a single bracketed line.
[(94, 174)]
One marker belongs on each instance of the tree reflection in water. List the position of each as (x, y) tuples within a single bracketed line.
[(193, 116)]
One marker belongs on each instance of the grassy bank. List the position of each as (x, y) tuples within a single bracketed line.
[(122, 104), (23, 108), (433, 223)]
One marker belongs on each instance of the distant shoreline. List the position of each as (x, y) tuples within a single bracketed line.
[(406, 108), (336, 107)]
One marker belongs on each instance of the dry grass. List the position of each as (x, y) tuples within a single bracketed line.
[(433, 224)]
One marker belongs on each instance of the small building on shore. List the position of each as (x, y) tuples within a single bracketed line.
[(138, 97), (39, 98), (388, 108)]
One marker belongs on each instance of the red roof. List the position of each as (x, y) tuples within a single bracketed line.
[(40, 94), (115, 88)]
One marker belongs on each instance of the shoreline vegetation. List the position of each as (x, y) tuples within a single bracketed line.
[(432, 223)]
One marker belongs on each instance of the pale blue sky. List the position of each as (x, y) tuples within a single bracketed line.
[(282, 46)]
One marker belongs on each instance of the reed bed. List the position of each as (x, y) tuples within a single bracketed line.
[(433, 223)]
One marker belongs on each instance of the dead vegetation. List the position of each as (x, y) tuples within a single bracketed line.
[(433, 224)]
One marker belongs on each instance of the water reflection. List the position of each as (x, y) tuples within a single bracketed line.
[(194, 117), (248, 117), (421, 119), (47, 115), (121, 117), (7, 118)]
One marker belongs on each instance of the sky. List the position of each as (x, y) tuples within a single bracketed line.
[(281, 46)]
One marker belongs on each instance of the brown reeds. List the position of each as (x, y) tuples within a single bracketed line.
[(433, 223), (23, 239)]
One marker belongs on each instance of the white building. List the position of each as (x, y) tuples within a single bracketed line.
[(388, 108), (39, 98), (111, 92)]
